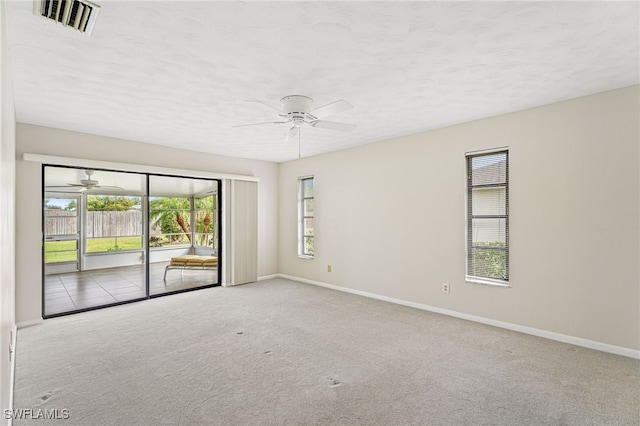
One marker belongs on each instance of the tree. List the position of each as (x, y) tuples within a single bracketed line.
[(168, 212), (204, 207), (49, 206), (172, 214), (111, 203)]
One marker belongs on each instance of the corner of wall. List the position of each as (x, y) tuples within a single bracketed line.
[(7, 222)]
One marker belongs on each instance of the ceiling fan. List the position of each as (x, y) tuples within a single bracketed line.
[(87, 184), (296, 110)]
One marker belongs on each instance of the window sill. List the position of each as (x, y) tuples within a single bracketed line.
[(486, 281), (305, 256), (170, 247), (110, 252)]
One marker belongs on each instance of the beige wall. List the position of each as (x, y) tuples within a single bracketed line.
[(55, 142), (7, 233), (390, 218), (390, 215)]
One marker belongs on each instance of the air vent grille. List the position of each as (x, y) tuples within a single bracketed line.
[(80, 15)]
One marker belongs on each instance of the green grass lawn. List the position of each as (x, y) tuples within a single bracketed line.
[(60, 256), (65, 251), (96, 245), (60, 251)]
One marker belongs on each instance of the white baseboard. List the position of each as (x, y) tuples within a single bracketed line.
[(268, 277), (29, 323), (578, 341)]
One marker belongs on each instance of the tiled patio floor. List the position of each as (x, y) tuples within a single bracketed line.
[(79, 290)]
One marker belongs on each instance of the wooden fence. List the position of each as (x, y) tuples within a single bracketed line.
[(60, 222), (98, 224)]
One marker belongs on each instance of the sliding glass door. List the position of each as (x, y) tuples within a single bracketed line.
[(112, 237)]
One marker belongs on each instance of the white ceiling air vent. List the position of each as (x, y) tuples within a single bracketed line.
[(80, 15)]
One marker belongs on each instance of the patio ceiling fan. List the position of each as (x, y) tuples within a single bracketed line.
[(296, 111), (87, 184)]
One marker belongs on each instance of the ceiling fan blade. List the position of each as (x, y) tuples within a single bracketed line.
[(266, 104), (109, 187), (293, 133), (332, 125), (333, 108), (259, 124)]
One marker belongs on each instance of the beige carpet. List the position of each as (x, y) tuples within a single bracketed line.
[(279, 352)]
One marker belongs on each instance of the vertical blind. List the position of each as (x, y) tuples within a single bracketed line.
[(243, 213), (488, 216)]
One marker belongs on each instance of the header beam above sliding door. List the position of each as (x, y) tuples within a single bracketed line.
[(129, 167)]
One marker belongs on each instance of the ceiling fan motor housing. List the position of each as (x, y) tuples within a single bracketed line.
[(296, 107), (296, 110), (89, 182)]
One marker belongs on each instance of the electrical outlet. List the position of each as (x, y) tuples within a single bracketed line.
[(328, 268), (445, 288)]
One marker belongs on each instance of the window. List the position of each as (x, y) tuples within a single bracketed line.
[(61, 229), (113, 223), (305, 217), (488, 217)]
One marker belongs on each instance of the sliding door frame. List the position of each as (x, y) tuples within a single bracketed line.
[(218, 230), (219, 248)]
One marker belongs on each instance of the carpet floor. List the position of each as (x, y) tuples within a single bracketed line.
[(279, 352)]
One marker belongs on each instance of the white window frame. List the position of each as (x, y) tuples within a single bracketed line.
[(302, 237), (468, 217)]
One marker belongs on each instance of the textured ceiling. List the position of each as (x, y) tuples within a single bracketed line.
[(179, 73)]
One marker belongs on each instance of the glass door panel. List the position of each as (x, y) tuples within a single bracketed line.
[(183, 234), (95, 238)]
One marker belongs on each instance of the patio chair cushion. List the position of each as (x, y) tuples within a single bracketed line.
[(194, 260)]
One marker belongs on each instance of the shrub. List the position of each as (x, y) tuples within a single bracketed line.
[(489, 263)]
